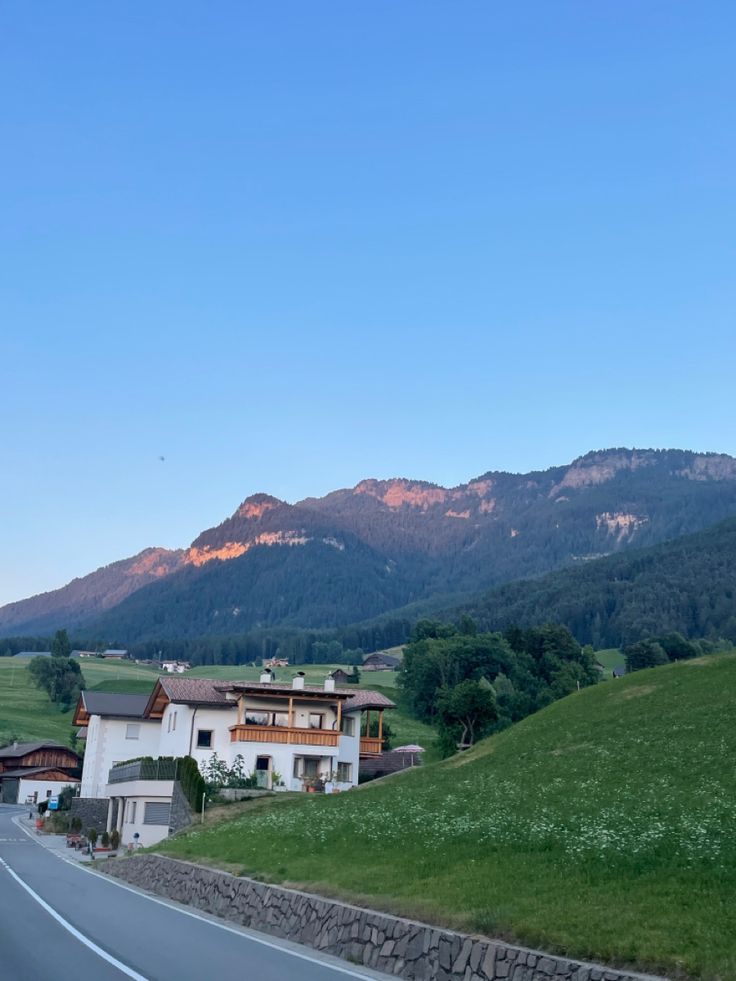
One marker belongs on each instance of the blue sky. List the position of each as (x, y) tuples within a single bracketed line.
[(288, 246)]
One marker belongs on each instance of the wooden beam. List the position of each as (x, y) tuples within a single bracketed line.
[(241, 710), (339, 715), (380, 725), (291, 711)]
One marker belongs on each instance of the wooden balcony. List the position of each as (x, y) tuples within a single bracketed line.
[(371, 745), (283, 734)]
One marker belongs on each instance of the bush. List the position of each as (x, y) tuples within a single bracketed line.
[(115, 839), (92, 836), (105, 839)]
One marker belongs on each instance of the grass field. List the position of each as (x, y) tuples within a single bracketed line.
[(26, 714), (610, 659), (603, 826)]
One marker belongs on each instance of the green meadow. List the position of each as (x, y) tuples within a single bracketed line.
[(603, 826)]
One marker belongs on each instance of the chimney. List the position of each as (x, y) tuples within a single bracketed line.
[(266, 678), (329, 684), (298, 682)]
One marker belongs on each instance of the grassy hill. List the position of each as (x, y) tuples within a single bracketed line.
[(603, 826), (26, 713)]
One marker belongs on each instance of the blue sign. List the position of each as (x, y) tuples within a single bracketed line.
[(53, 803)]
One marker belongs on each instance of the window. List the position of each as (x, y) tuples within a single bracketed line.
[(297, 768), (344, 772), (311, 767), (132, 731), (173, 721), (131, 811), (156, 812), (204, 739), (48, 793), (347, 726), (315, 720), (280, 719), (256, 718)]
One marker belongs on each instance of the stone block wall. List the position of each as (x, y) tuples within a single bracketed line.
[(92, 811), (391, 944)]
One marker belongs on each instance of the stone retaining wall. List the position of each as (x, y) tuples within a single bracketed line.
[(386, 943), (92, 811)]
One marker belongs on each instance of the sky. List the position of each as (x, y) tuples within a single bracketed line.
[(289, 246)]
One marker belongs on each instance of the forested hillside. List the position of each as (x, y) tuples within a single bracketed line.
[(688, 585)]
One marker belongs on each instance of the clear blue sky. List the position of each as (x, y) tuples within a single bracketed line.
[(291, 245)]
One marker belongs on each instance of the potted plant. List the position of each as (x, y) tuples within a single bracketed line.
[(115, 839), (92, 838), (105, 839)]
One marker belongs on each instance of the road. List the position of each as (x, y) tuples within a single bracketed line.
[(61, 922)]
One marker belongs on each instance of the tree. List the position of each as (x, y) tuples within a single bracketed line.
[(61, 645), (467, 710), (645, 654)]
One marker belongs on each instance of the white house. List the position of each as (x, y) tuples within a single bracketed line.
[(175, 667), (116, 731), (293, 737)]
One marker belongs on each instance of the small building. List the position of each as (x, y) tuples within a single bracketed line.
[(34, 784), (24, 756), (33, 654), (175, 667), (115, 654), (31, 772), (276, 662), (619, 671), (340, 676), (381, 661)]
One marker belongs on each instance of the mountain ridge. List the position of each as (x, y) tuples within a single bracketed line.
[(396, 541)]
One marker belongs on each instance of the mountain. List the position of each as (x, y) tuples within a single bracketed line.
[(89, 595), (363, 551), (687, 585)]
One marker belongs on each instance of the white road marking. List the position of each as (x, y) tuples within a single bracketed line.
[(127, 971), (243, 932)]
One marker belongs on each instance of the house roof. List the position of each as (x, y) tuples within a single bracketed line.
[(33, 654), (354, 700), (388, 659), (23, 749), (31, 771), (122, 705)]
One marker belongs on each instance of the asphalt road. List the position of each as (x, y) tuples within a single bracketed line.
[(61, 922)]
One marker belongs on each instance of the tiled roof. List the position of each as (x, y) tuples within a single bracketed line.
[(194, 691), (22, 749), (117, 704), (354, 699)]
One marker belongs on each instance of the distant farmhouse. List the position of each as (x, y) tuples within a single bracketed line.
[(113, 654), (33, 654), (276, 662), (175, 667), (381, 661), (32, 772), (340, 676)]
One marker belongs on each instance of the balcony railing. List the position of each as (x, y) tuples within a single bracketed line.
[(370, 746), (283, 734), (143, 770)]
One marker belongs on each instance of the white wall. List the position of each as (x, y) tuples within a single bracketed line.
[(181, 723), (43, 789), (107, 744), (140, 792)]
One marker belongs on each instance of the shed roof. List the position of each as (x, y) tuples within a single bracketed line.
[(23, 749), (34, 771)]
